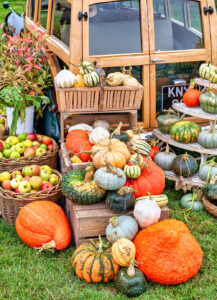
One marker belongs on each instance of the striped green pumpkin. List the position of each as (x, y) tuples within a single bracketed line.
[(208, 102), (185, 132), (132, 171), (142, 147), (208, 71), (91, 79)]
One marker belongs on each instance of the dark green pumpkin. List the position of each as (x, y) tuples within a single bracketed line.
[(210, 190), (184, 165), (131, 286), (208, 102), (166, 120), (121, 201), (123, 137)]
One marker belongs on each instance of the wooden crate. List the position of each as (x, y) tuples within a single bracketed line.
[(67, 161), (90, 221)]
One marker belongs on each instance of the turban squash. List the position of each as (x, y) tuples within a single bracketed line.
[(167, 252), (151, 180), (43, 224)]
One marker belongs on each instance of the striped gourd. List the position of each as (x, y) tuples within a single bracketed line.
[(132, 171), (136, 159), (91, 79), (208, 71), (185, 132), (161, 200), (142, 147)]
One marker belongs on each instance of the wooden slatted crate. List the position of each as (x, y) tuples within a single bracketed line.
[(90, 221)]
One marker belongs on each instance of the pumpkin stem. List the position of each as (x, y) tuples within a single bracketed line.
[(100, 251), (213, 180), (150, 195), (50, 246), (167, 151), (192, 84), (131, 269), (110, 169), (117, 131), (125, 190), (114, 221)]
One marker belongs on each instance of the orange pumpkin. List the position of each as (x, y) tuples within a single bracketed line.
[(151, 180), (43, 224), (77, 141), (93, 262), (112, 151), (167, 252), (191, 96), (80, 81)]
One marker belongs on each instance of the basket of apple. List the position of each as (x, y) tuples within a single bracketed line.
[(26, 149), (24, 185), (3, 126)]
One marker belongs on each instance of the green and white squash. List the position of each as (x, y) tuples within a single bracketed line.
[(185, 132), (121, 201), (184, 165), (210, 189), (121, 227), (208, 138), (110, 178), (86, 67), (191, 201), (165, 159), (132, 171), (208, 102), (207, 170), (208, 71), (142, 147), (136, 159), (166, 120), (91, 79)]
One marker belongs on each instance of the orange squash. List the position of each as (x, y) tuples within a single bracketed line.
[(167, 252), (43, 224), (191, 96), (80, 81)]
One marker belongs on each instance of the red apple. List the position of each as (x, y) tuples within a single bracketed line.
[(31, 137), (36, 182), (39, 137), (26, 178), (15, 173), (6, 185), (1, 146), (46, 186), (16, 191), (34, 170), (29, 152), (36, 144), (50, 147), (46, 140)]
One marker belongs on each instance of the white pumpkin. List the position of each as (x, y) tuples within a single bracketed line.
[(98, 134), (81, 126), (65, 79), (146, 212), (102, 123)]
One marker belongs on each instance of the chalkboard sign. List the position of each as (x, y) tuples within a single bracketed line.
[(172, 94)]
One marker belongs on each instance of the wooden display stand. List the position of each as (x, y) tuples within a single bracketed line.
[(90, 221)]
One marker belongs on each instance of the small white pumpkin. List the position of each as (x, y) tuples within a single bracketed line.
[(98, 134), (81, 126), (102, 123), (146, 212), (65, 79)]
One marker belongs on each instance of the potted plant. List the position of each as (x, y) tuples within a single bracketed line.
[(24, 78)]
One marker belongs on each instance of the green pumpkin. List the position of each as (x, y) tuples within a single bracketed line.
[(130, 282), (208, 102), (142, 147), (132, 171), (166, 120), (78, 190), (208, 138), (123, 137), (184, 165), (91, 79), (110, 178), (121, 201), (121, 227), (165, 159), (191, 201), (207, 170), (210, 189), (185, 132)]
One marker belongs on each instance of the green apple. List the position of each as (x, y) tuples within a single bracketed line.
[(15, 173), (2, 121), (20, 148), (27, 171), (27, 143), (19, 177), (12, 140), (15, 154), (13, 148), (1, 155), (22, 136), (40, 151), (24, 187), (43, 146), (54, 179), (5, 176), (36, 182), (47, 169), (6, 146), (15, 183), (45, 176), (6, 153)]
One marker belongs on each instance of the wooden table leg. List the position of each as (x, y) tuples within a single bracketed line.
[(62, 127), (133, 119)]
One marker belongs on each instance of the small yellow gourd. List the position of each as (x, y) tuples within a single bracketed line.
[(80, 81), (123, 251), (115, 79)]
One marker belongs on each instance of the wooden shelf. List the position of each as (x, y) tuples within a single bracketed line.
[(193, 181), (205, 83)]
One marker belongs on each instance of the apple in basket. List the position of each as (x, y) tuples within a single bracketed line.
[(34, 170), (36, 144), (46, 186), (6, 185), (46, 140), (15, 183), (54, 179), (15, 173), (26, 178), (16, 191), (5, 176), (20, 148), (24, 187), (29, 152), (26, 171), (50, 147), (27, 143), (31, 136), (40, 151), (46, 168), (45, 175), (36, 182), (1, 146)]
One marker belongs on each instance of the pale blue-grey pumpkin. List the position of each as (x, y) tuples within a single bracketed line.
[(110, 178), (208, 170), (208, 138), (121, 227), (165, 159), (191, 201)]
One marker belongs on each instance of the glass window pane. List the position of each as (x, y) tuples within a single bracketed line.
[(32, 10), (179, 27), (44, 13), (62, 21), (114, 27), (166, 92)]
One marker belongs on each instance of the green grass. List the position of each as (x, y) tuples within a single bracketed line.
[(17, 5), (49, 276)]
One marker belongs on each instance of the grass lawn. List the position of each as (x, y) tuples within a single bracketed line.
[(17, 5), (49, 276)]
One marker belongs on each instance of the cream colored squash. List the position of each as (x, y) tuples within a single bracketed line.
[(65, 79), (115, 79), (146, 212), (123, 252), (98, 134)]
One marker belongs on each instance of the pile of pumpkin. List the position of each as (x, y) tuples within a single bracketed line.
[(89, 76)]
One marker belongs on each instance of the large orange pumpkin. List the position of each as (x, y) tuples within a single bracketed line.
[(191, 96), (167, 252), (151, 180), (77, 141), (43, 224)]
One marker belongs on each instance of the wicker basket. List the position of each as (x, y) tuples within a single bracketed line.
[(100, 98), (4, 131), (49, 158), (11, 203), (211, 208)]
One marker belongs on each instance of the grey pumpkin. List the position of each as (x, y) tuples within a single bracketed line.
[(208, 138), (208, 170), (165, 159)]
